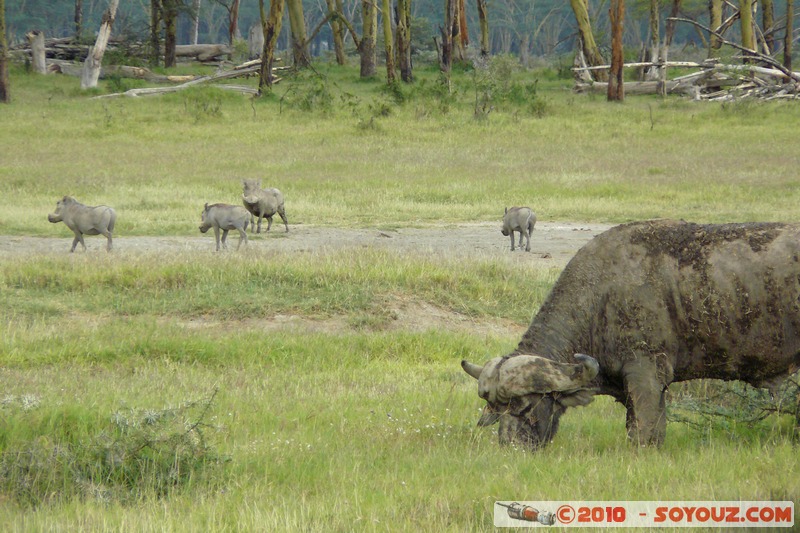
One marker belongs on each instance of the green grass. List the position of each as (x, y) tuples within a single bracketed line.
[(345, 419), (157, 160)]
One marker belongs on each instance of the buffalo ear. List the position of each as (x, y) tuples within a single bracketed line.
[(578, 398)]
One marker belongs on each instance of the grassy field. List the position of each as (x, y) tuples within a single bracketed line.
[(366, 426)]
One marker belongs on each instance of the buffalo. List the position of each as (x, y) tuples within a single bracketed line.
[(652, 303), (84, 220)]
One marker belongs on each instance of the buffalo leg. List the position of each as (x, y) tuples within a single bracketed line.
[(269, 222), (512, 241), (224, 237), (645, 401)]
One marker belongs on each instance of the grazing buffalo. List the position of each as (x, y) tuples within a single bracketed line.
[(225, 217), (521, 220), (84, 219), (652, 303), (263, 203)]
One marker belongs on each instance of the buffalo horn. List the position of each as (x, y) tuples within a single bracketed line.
[(472, 369)]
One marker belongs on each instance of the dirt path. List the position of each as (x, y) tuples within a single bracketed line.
[(552, 242)]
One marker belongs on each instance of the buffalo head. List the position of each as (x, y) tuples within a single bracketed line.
[(528, 394)]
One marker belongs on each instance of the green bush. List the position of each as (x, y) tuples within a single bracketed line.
[(49, 455)]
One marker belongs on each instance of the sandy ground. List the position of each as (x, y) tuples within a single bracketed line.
[(552, 242)]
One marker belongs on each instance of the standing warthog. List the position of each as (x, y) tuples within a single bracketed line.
[(84, 219), (520, 219), (263, 203), (652, 303), (225, 217)]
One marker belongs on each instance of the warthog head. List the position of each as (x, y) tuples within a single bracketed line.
[(205, 223), (251, 199), (251, 186), (62, 204), (504, 229), (528, 394)]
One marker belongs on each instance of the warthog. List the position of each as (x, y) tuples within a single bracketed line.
[(652, 303), (263, 203), (522, 220), (84, 219), (225, 217)]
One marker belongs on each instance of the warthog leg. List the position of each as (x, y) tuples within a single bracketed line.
[(242, 237), (108, 236), (216, 236), (78, 239), (282, 213)]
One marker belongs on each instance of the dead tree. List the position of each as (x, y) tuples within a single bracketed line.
[(5, 97), (36, 42), (91, 68), (616, 87)]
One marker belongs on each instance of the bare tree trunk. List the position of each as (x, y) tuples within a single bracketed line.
[(669, 31), (387, 41), (195, 20), (78, 18), (369, 13), (483, 22), (338, 33), (233, 22), (746, 19), (169, 10), (5, 96), (297, 23), (404, 40), (655, 40), (271, 27), (457, 50), (768, 24), (155, 25), (715, 18), (787, 38), (36, 42), (94, 60), (446, 58), (616, 87), (590, 50), (463, 31), (524, 48)]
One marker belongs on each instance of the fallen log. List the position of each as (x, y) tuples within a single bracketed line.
[(202, 52), (630, 87), (71, 68), (235, 72)]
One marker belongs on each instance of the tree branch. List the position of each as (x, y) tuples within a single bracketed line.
[(761, 57)]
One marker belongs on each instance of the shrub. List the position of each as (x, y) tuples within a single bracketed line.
[(66, 454)]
